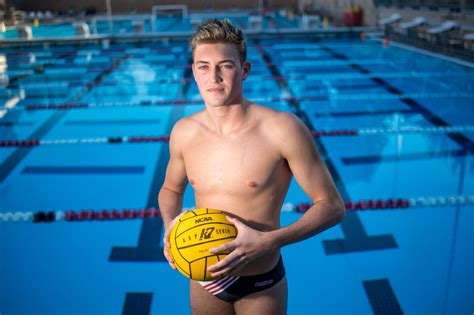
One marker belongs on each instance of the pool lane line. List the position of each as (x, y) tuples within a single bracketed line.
[(395, 75), (15, 123), (309, 61), (120, 122), (38, 69), (363, 113), (149, 243), (317, 86), (323, 97), (166, 138), (459, 138), (15, 158), (377, 159), (149, 247), (102, 215), (89, 86), (454, 238), (295, 105), (355, 237)]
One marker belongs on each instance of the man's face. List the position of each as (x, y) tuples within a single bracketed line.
[(219, 73)]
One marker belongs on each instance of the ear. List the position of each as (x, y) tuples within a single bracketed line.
[(246, 66)]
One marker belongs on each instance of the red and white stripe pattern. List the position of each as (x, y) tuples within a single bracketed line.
[(217, 286)]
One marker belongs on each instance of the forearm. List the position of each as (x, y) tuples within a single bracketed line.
[(321, 216), (170, 203)]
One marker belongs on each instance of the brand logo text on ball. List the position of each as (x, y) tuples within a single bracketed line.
[(206, 219)]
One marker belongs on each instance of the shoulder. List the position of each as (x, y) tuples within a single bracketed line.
[(186, 128), (188, 124), (288, 122), (278, 124), (287, 133)]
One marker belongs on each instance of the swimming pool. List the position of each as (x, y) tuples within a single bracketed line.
[(151, 23), (390, 123)]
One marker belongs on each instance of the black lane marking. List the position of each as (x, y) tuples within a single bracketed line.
[(137, 303), (381, 297), (370, 159), (356, 238), (149, 244), (20, 153)]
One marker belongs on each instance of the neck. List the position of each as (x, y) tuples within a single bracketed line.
[(229, 118)]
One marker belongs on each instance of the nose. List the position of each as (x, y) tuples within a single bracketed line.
[(216, 75)]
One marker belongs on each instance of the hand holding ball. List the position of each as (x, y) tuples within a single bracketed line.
[(193, 235)]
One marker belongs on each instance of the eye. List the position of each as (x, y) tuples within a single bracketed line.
[(228, 66), (203, 67)]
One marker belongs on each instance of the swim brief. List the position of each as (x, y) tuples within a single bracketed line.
[(233, 288)]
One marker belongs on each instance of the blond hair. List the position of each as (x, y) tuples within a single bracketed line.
[(220, 31)]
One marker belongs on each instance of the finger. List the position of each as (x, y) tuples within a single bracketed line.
[(167, 255), (223, 263), (229, 269), (169, 259), (166, 241), (180, 215), (233, 220), (172, 265), (167, 234), (227, 247)]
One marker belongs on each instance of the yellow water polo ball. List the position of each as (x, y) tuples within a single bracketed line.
[(193, 235)]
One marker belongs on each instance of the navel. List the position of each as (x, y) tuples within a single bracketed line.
[(252, 184)]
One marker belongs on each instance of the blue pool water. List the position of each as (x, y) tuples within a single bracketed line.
[(417, 260)]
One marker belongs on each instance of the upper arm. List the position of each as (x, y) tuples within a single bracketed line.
[(176, 179), (307, 166)]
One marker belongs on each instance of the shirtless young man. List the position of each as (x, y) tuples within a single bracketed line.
[(239, 157)]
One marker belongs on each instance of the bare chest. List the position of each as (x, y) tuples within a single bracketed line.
[(231, 167)]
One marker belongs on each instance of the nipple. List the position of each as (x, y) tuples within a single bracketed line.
[(252, 184), (192, 181)]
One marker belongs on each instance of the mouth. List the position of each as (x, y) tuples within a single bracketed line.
[(216, 89)]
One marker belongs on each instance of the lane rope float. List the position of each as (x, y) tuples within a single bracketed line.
[(144, 213), (165, 138)]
